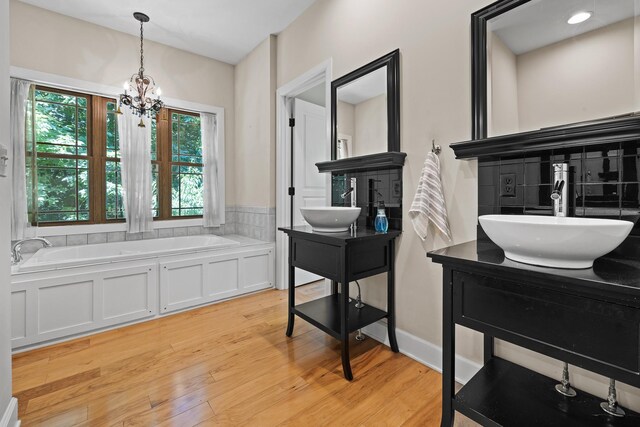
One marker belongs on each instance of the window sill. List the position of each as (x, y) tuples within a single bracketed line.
[(58, 230)]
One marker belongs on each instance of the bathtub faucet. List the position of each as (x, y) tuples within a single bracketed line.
[(16, 256)]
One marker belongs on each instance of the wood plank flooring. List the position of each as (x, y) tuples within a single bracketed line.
[(224, 364)]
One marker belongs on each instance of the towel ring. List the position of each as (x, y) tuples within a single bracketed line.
[(435, 148)]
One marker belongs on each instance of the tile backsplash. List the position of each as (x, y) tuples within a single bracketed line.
[(255, 222), (604, 182), (372, 187)]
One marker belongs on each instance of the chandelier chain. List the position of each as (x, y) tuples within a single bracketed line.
[(141, 48)]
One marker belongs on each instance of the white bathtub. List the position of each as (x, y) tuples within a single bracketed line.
[(63, 257), (62, 293)]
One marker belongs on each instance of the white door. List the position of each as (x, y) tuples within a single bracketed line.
[(310, 147)]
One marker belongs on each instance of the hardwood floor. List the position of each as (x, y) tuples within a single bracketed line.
[(225, 364)]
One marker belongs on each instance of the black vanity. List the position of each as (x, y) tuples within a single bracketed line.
[(526, 123), (342, 258), (366, 172), (589, 318)]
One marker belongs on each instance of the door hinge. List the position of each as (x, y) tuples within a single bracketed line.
[(292, 191), (292, 122)]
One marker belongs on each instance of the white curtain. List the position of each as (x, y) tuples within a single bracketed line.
[(135, 152), (20, 227), (211, 193)]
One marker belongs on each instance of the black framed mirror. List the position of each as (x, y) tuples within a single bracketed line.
[(548, 64), (365, 109)]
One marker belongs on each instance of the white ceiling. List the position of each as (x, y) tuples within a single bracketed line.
[(366, 87), (226, 30), (542, 22)]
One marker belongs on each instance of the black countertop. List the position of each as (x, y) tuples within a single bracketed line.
[(361, 234), (611, 276)]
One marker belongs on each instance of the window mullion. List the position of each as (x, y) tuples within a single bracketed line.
[(97, 182), (179, 171), (164, 156)]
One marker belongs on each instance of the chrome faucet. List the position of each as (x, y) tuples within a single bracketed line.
[(351, 191), (560, 189), (354, 201), (16, 256)]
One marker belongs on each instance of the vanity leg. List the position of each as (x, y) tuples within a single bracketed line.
[(292, 290), (344, 320), (391, 299), (488, 348), (448, 349), (334, 287)]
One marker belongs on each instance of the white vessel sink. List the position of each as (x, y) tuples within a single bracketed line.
[(555, 241), (330, 219)]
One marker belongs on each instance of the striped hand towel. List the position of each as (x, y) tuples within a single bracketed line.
[(428, 203)]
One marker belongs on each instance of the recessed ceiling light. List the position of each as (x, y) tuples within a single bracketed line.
[(579, 17)]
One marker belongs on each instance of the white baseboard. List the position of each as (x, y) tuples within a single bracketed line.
[(422, 351), (10, 416)]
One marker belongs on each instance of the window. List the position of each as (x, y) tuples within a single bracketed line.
[(59, 134), (176, 147), (114, 205), (186, 165), (73, 160)]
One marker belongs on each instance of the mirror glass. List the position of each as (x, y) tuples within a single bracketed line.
[(365, 110), (361, 115), (557, 62)]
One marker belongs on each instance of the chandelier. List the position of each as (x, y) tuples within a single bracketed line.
[(140, 91)]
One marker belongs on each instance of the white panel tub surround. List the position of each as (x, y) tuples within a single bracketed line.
[(19, 314), (79, 290), (188, 282), (52, 305)]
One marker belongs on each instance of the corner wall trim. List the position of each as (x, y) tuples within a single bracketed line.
[(10, 416), (319, 73), (422, 351)]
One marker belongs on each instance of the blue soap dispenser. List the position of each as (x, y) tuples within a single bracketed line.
[(381, 223)]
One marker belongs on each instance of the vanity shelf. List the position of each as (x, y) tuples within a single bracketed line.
[(378, 161), (324, 313), (505, 394)]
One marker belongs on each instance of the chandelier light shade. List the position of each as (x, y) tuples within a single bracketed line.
[(140, 92)]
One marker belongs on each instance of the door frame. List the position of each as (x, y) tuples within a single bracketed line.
[(284, 94)]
